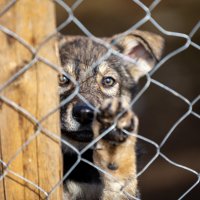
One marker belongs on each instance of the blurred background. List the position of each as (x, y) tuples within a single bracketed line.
[(158, 109)]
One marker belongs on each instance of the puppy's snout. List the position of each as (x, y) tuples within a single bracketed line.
[(83, 114)]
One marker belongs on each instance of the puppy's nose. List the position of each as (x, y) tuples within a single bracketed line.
[(83, 114)]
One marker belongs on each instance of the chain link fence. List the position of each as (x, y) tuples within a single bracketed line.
[(37, 58)]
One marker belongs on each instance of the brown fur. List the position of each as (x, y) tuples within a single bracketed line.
[(115, 152)]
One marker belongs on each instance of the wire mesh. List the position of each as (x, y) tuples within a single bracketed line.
[(36, 58)]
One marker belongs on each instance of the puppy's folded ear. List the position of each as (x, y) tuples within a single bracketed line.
[(143, 47)]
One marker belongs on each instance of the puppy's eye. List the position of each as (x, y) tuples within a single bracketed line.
[(63, 80), (108, 81)]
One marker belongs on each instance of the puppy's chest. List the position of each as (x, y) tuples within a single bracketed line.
[(83, 183), (83, 172)]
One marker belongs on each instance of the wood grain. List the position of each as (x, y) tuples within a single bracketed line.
[(35, 91)]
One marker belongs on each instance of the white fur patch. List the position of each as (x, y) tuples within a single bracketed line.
[(70, 123), (74, 191)]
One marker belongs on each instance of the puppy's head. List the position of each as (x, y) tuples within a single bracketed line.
[(113, 77)]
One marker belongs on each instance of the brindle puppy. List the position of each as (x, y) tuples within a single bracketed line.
[(109, 86)]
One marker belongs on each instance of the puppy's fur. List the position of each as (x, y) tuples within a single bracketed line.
[(108, 86)]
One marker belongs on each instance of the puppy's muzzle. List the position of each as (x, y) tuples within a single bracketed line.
[(83, 114)]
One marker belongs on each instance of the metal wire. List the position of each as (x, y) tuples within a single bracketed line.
[(37, 122)]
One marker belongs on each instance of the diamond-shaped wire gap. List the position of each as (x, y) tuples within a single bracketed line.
[(193, 185), (181, 73), (182, 117), (173, 53), (89, 34), (165, 181), (155, 23), (177, 16), (185, 168), (158, 114), (183, 144), (107, 21), (170, 43), (6, 7)]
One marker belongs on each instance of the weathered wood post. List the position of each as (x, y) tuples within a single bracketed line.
[(35, 91)]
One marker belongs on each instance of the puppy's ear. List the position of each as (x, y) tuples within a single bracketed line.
[(143, 47)]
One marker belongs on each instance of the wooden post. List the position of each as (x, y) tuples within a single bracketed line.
[(35, 91)]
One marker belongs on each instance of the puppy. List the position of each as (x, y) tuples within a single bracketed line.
[(108, 86)]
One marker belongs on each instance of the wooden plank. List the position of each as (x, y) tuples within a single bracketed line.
[(36, 91)]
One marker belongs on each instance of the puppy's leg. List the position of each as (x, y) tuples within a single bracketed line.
[(115, 153)]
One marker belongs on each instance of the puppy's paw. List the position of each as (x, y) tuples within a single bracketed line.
[(114, 110), (108, 111)]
